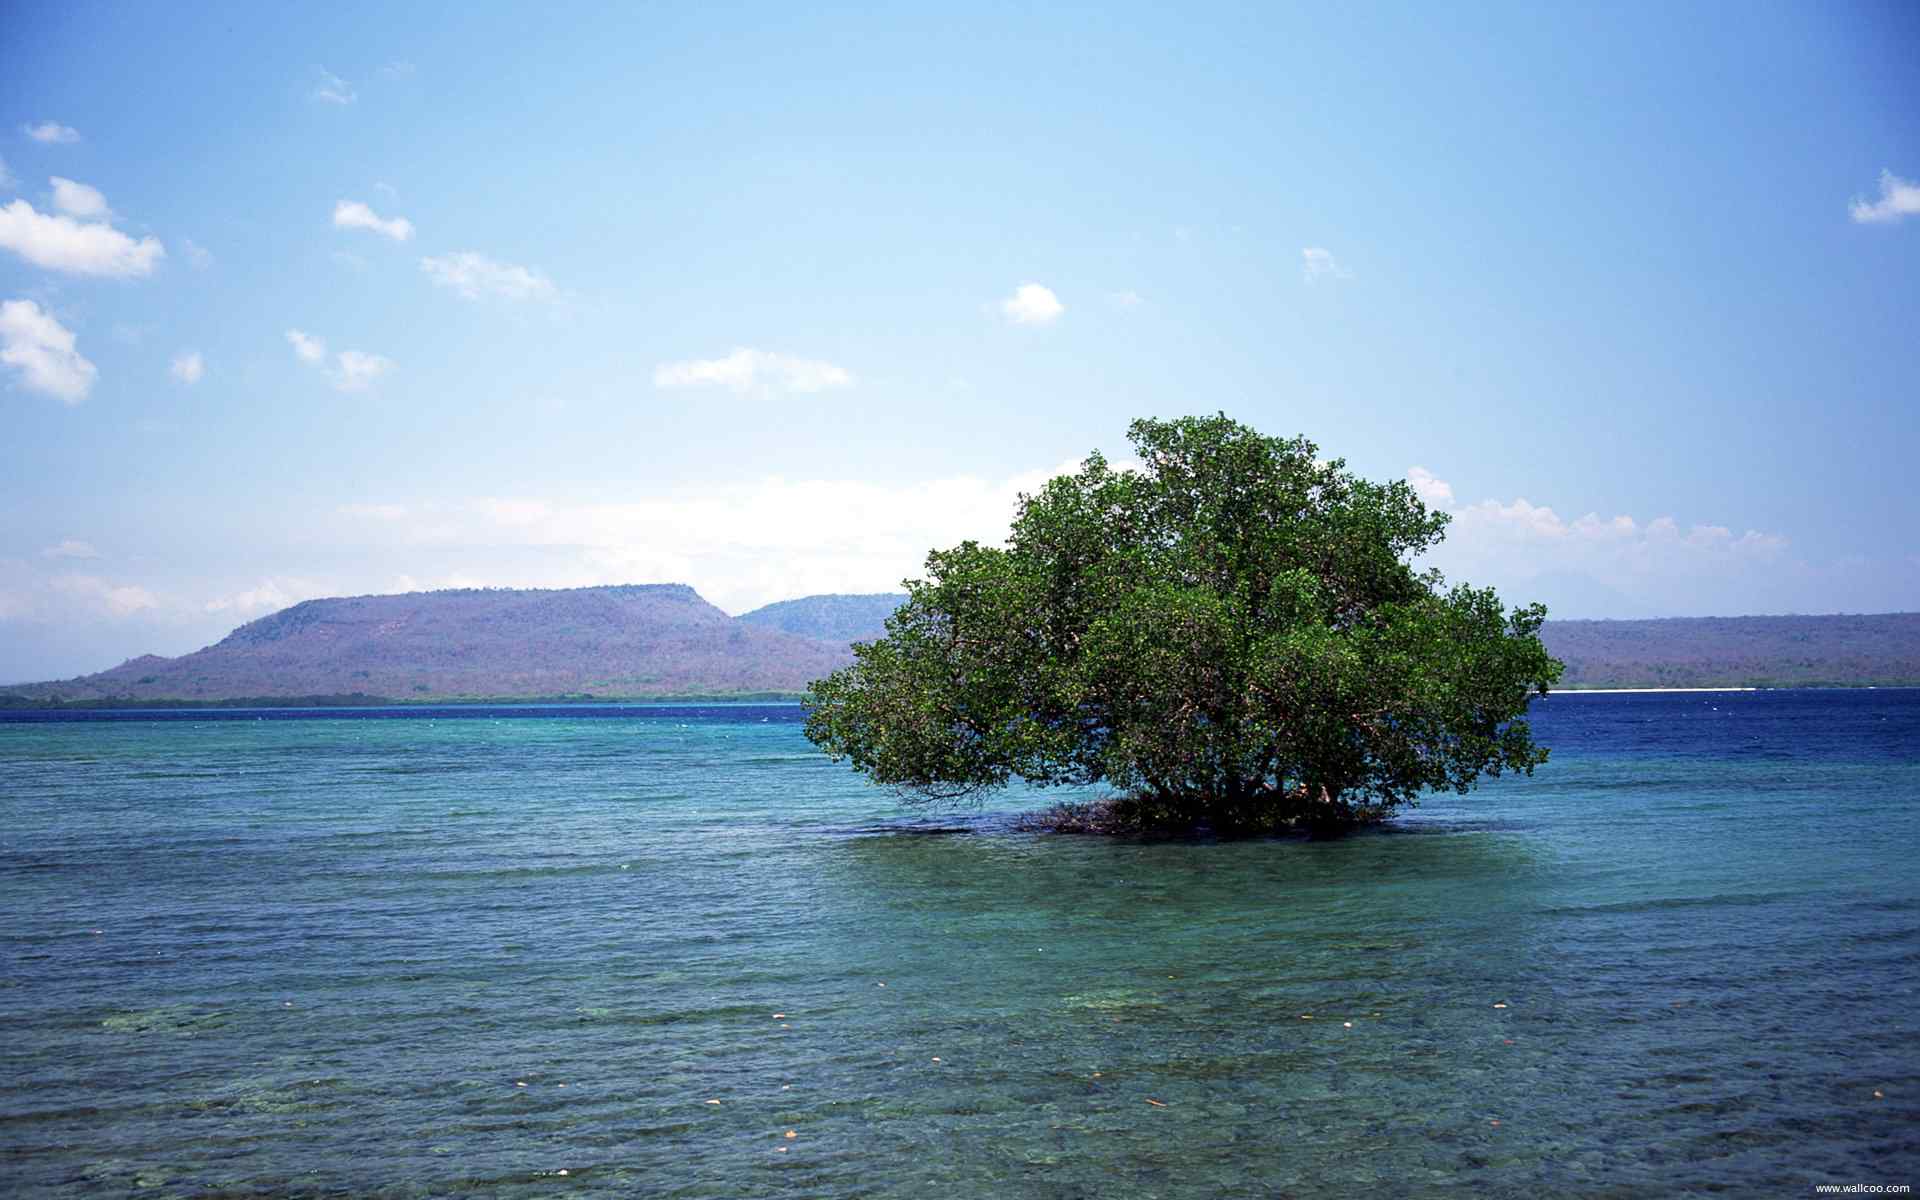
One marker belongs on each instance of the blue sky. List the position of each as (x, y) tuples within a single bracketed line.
[(339, 299)]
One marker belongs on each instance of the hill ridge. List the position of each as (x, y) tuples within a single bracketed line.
[(645, 641)]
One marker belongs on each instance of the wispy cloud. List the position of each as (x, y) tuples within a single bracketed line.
[(1125, 299), (349, 370), (356, 370), (1898, 198), (269, 595), (43, 351), (197, 256), (60, 243), (475, 276), (747, 371), (331, 89), (742, 543), (71, 548), (116, 600), (307, 348), (7, 181), (399, 68), (373, 512), (352, 214), (51, 133), (1317, 263), (1032, 304), (187, 367)]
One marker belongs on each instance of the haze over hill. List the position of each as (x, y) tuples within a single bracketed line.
[(663, 640)]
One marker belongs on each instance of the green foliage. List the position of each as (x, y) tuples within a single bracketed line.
[(1231, 635)]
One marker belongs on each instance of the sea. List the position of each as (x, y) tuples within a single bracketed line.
[(669, 950)]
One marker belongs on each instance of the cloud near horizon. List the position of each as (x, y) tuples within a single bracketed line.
[(71, 548), (752, 542), (1512, 544)]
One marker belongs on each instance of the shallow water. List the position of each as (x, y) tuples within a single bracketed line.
[(451, 953)]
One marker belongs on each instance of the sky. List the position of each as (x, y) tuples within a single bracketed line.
[(771, 300)]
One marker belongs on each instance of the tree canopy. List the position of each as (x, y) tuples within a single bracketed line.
[(1233, 634)]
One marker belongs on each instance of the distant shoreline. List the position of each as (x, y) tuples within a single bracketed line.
[(1614, 691), (20, 704)]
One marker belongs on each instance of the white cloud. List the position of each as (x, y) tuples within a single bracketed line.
[(741, 544), (79, 200), (307, 348), (1898, 198), (352, 214), (97, 593), (747, 370), (60, 243), (474, 275), (1032, 304), (270, 595), (42, 350), (71, 548), (332, 89), (356, 370), (1434, 491), (187, 367), (198, 256), (1317, 263), (1659, 565), (51, 133), (351, 371)]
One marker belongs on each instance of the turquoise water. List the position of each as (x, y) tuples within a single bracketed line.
[(429, 954)]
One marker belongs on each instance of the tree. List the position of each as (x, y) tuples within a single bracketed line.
[(1232, 635)]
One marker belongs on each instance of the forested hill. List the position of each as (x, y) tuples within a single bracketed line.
[(663, 640), (830, 618)]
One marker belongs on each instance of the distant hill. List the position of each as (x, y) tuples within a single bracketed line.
[(1828, 651), (839, 619), (659, 640), (1836, 651), (636, 641)]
